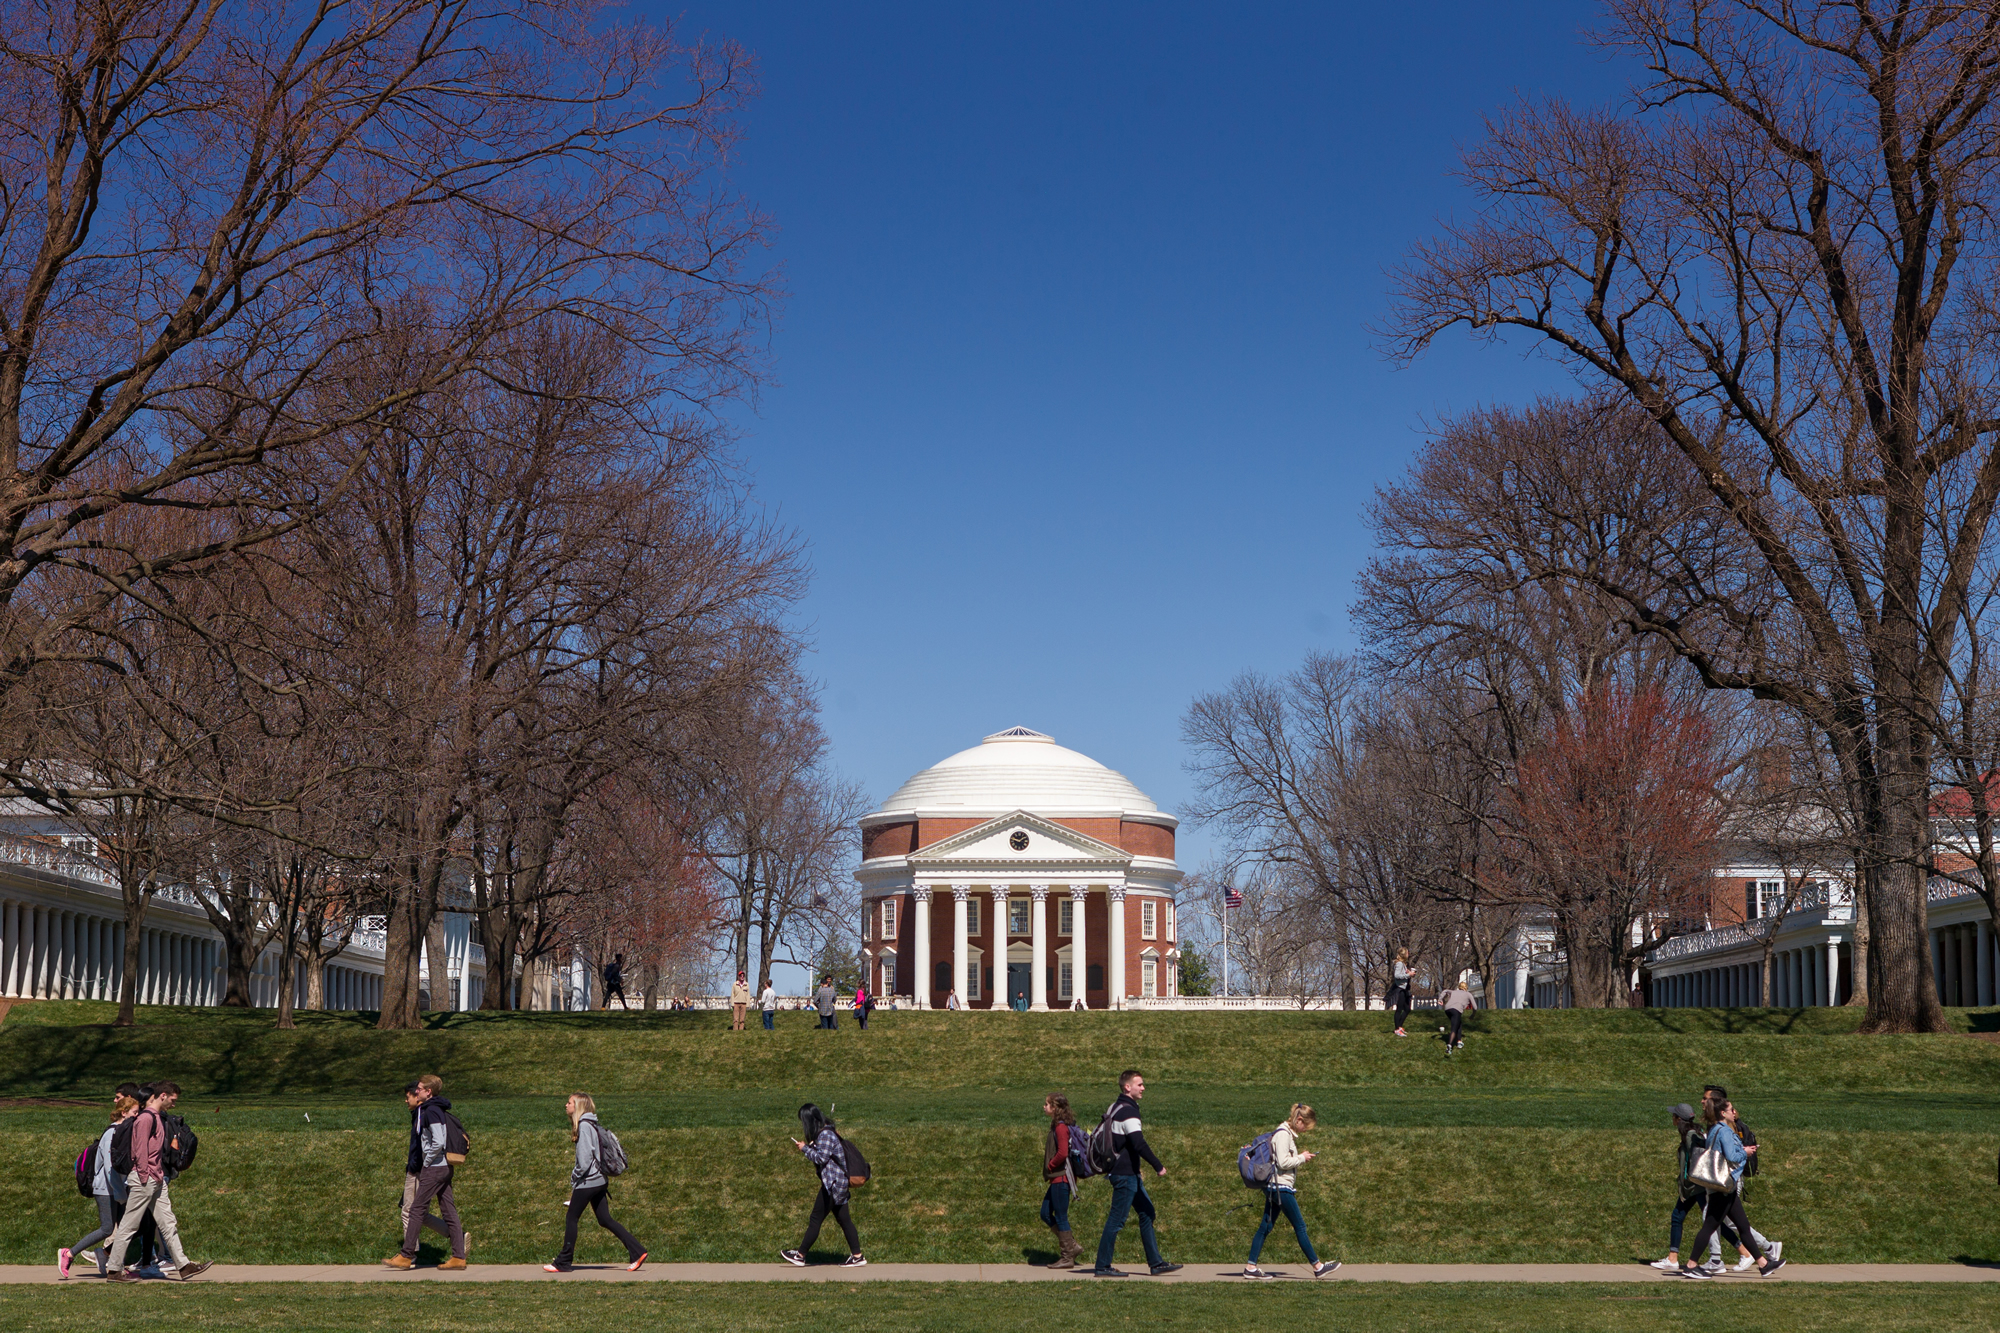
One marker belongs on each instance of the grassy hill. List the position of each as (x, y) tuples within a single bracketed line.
[(1545, 1139)]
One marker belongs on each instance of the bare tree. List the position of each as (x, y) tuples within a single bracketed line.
[(1778, 254)]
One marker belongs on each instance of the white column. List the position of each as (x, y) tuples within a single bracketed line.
[(921, 991), (1833, 972), (1985, 963), (42, 970), (1079, 952), (10, 943), (960, 954), (1038, 977), (998, 934), (1114, 948)]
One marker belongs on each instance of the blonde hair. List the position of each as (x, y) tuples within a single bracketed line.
[(1403, 955), (581, 1106), (1302, 1118)]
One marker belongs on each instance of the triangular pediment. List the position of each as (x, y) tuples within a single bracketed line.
[(1023, 840)]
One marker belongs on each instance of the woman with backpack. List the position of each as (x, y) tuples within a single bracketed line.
[(825, 1149), (590, 1186), (1281, 1194), (108, 1188), (1060, 1177), (864, 1005)]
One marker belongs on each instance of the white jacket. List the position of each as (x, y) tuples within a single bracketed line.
[(1286, 1159)]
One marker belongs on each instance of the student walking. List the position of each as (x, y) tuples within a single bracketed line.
[(107, 1187), (614, 982), (823, 1148), (1059, 1177), (590, 1187), (433, 1182), (1128, 1191), (1399, 989), (430, 1089), (1725, 1205), (1774, 1248), (739, 1001), (1281, 1196), (864, 1006), (152, 1146), (768, 1002), (1690, 1139), (824, 1000), (1457, 1002)]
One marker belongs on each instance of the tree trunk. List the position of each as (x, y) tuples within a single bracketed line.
[(288, 981), (1904, 998), (399, 969), (136, 901), (440, 965)]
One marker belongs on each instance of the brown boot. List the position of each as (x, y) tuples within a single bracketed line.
[(1070, 1250)]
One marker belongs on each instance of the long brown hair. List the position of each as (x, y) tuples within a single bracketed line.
[(1060, 1104)]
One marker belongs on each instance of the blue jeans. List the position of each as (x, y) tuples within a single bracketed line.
[(1055, 1206), (769, 1015), (1286, 1201), (1128, 1194)]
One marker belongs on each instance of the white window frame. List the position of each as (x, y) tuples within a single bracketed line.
[(1149, 975), (971, 915), (1149, 920), (888, 919), (887, 960), (1065, 979), (1770, 892), (1170, 920), (1066, 917), (975, 964), (1019, 919)]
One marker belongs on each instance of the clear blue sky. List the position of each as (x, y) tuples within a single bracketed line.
[(1077, 405)]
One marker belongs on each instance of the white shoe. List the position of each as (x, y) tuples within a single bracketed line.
[(1666, 1265), (1745, 1262), (1775, 1248), (1713, 1266)]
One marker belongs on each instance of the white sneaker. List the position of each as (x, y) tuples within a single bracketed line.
[(1745, 1262), (1775, 1248), (1714, 1265), (1666, 1265)]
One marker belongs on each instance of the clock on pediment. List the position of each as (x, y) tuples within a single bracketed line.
[(1018, 840)]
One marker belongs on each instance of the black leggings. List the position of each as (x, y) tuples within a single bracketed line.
[(1718, 1209), (1457, 1024), (823, 1205), (596, 1198), (1402, 994)]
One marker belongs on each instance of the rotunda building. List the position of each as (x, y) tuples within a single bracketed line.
[(1021, 875)]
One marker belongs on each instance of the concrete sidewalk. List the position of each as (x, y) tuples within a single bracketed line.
[(46, 1273)]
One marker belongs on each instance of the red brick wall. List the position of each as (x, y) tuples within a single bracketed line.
[(1146, 839), (889, 840)]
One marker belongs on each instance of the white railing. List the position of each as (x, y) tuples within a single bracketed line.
[(57, 860), (1701, 941), (1947, 890), (1252, 1002)]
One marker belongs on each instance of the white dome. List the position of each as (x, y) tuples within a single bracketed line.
[(1019, 769)]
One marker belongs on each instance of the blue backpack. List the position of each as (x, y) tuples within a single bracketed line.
[(1080, 1164), (1253, 1162)]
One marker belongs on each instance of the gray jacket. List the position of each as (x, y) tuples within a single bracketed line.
[(823, 1001), (585, 1175)]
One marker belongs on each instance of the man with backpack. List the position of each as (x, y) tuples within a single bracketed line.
[(156, 1146), (1127, 1149), (430, 1089), (439, 1139)]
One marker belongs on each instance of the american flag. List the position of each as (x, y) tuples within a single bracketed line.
[(1232, 897)]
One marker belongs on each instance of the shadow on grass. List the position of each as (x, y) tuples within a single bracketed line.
[(1967, 1261), (1731, 1022)]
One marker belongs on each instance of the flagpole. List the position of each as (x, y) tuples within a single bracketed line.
[(1225, 941)]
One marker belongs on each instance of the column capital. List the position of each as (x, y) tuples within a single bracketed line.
[(961, 891), (1117, 892), (921, 892), (1040, 892), (1079, 891), (998, 890)]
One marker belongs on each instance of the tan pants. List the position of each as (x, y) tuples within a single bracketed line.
[(739, 1010), (431, 1219), (144, 1196)]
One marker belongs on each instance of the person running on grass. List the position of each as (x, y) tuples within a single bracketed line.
[(107, 1187), (1725, 1204), (433, 1182), (823, 1148), (1281, 1195), (1059, 1178), (1128, 1191), (1456, 1001), (146, 1192), (590, 1188), (614, 982), (1399, 989)]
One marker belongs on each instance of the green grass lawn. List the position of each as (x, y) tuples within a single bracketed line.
[(1546, 1139), (1017, 1308)]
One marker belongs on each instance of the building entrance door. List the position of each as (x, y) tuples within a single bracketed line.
[(1018, 975)]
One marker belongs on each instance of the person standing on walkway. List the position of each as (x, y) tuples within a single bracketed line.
[(1725, 1205), (739, 1001), (1399, 989), (1128, 1192), (614, 982), (1456, 1001), (107, 1187), (1059, 1179), (824, 1000), (823, 1148), (433, 1182), (590, 1187), (146, 1192), (1281, 1196), (768, 1003), (864, 1006)]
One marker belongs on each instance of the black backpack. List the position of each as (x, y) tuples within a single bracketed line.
[(1749, 1137), (456, 1142), (1103, 1151), (86, 1171), (121, 1145), (858, 1170), (177, 1152)]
